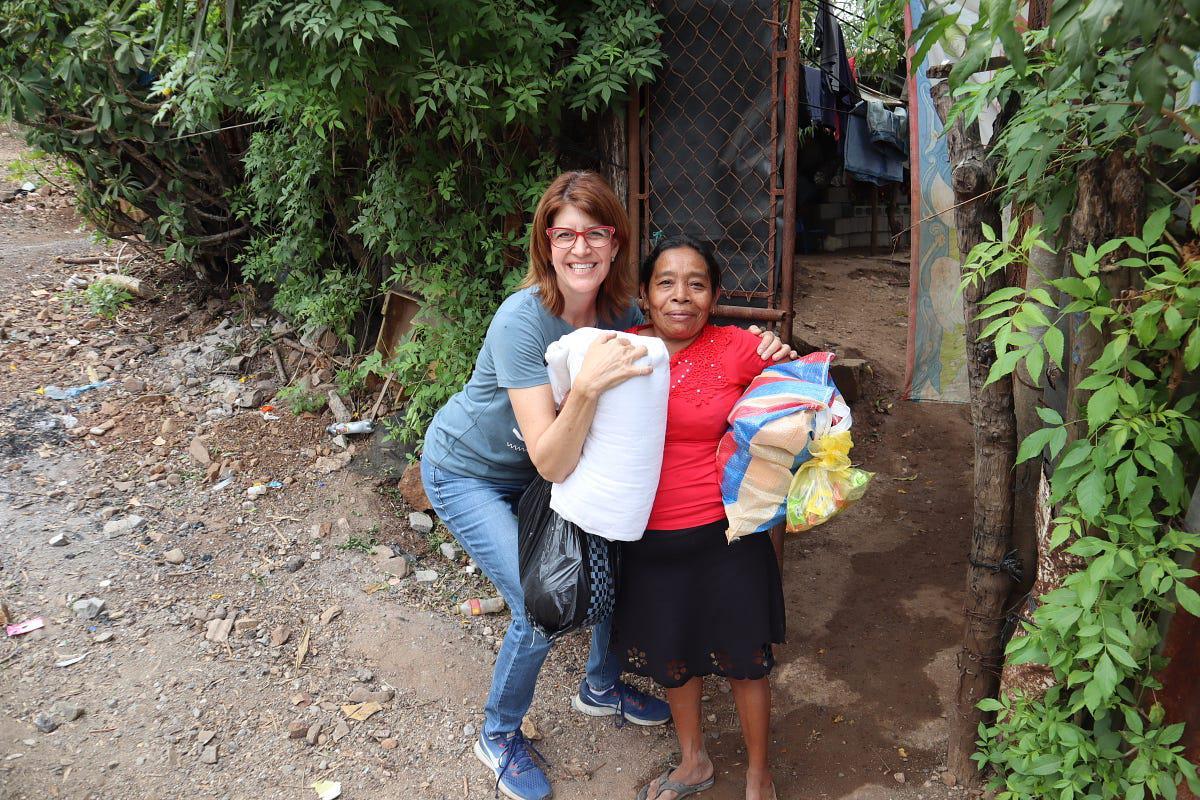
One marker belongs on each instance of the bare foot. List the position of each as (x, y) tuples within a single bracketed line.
[(691, 772), (759, 785)]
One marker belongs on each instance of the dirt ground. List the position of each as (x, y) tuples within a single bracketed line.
[(238, 632)]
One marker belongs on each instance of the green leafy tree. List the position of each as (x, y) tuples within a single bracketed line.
[(1094, 128), (328, 149)]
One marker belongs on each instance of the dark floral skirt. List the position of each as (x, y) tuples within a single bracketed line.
[(689, 604)]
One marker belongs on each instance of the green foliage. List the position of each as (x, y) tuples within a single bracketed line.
[(106, 299), (1097, 87), (359, 544), (301, 400), (364, 145)]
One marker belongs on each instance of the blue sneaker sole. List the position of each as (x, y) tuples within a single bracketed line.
[(609, 711), (494, 766)]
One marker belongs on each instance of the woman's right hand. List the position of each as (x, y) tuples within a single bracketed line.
[(609, 361)]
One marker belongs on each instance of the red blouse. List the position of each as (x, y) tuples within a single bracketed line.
[(707, 378)]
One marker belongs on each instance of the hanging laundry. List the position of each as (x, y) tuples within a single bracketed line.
[(863, 160)]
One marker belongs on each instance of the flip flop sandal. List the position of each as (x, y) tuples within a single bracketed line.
[(681, 790)]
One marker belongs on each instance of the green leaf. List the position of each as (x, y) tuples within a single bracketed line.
[(1091, 494), (1049, 415), (1052, 338), (1101, 407), (1188, 598), (1191, 353), (1156, 223), (1034, 444)]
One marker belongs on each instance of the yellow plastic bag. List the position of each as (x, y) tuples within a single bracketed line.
[(825, 484)]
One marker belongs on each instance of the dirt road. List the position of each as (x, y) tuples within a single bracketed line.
[(230, 639)]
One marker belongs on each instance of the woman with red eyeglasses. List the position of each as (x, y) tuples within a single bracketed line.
[(490, 440)]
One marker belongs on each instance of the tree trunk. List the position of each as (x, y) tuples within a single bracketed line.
[(1111, 202), (980, 656), (614, 149)]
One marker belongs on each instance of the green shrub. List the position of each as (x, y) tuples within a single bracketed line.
[(329, 151), (106, 299), (301, 400)]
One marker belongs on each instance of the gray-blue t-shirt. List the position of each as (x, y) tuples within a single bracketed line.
[(476, 434)]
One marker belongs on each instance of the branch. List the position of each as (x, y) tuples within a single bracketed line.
[(939, 71)]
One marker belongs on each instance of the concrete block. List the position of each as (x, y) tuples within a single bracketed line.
[(849, 375)]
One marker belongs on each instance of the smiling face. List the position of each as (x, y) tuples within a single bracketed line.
[(581, 268), (680, 296)]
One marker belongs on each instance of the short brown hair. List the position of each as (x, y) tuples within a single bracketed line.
[(588, 192)]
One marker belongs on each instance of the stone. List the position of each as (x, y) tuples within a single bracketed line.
[(949, 779), (66, 711), (389, 744), (209, 755), (314, 731), (88, 608), (124, 526), (412, 488), (204, 737), (330, 614), (103, 636), (397, 567), (898, 777), (327, 464), (364, 675), (58, 540), (426, 576), (279, 635), (362, 695), (420, 522), (449, 551), (245, 625), (45, 723), (297, 729), (470, 730), (199, 452), (218, 630), (337, 407), (294, 563), (250, 399), (341, 730), (174, 556), (320, 530), (133, 385)]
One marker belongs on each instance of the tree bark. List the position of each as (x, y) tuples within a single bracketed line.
[(1111, 202), (980, 657), (614, 149)]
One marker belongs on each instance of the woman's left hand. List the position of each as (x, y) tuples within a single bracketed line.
[(772, 348)]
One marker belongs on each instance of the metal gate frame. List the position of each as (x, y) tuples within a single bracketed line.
[(785, 85)]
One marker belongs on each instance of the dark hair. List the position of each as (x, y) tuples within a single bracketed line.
[(673, 242), (588, 192)]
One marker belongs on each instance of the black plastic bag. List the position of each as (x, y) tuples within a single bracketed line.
[(568, 576)]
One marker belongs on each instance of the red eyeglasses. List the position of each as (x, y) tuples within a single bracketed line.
[(596, 236)]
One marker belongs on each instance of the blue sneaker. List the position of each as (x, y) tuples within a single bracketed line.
[(510, 758), (621, 698)]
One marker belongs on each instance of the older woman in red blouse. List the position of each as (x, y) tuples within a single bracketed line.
[(690, 604)]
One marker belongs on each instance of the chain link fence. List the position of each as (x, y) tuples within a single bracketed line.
[(711, 144)]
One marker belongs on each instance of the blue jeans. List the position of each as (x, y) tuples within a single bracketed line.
[(482, 516)]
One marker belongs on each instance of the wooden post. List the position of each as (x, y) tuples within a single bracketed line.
[(980, 657)]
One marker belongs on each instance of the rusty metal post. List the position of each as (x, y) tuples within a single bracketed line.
[(791, 126), (791, 142), (633, 133)]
